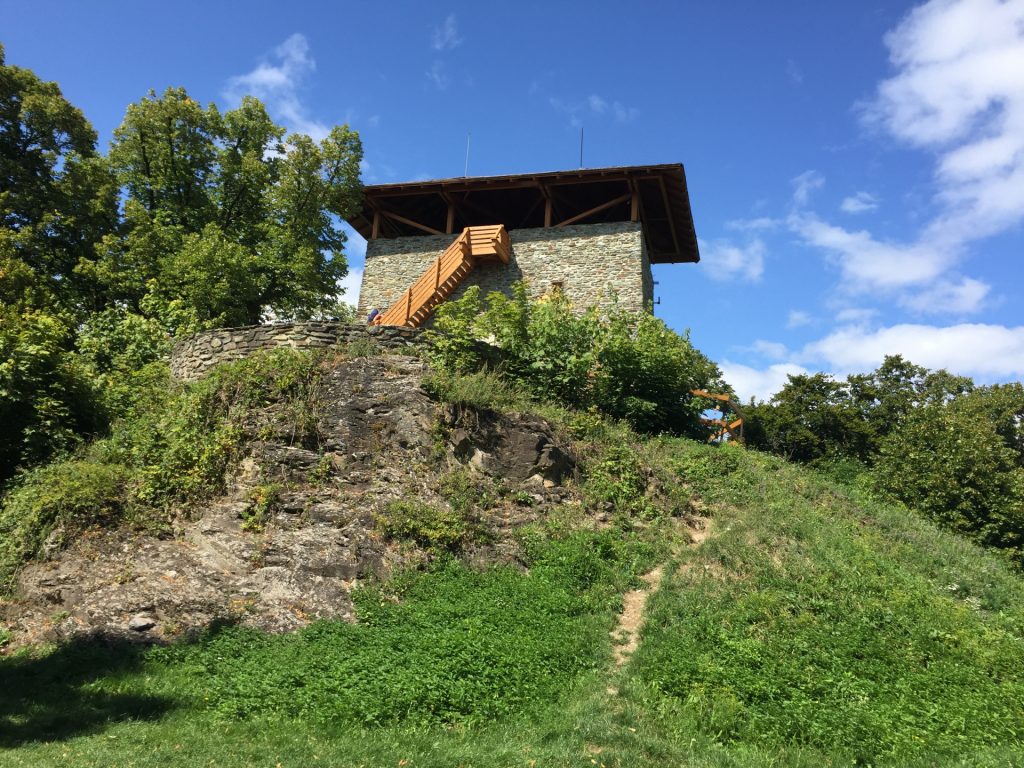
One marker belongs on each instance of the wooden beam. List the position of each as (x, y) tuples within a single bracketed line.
[(530, 211), (548, 203), (375, 232), (450, 225), (411, 223), (668, 213), (634, 206), (596, 209)]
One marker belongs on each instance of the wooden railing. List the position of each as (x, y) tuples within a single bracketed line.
[(442, 277), (724, 426)]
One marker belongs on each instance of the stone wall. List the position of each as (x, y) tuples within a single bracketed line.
[(590, 262), (193, 356)]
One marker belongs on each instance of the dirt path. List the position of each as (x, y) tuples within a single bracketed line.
[(626, 634)]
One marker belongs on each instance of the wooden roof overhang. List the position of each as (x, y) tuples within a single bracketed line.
[(654, 195)]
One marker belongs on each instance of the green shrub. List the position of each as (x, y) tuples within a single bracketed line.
[(47, 400), (437, 530), (952, 465), (627, 365), (175, 443), (263, 500), (66, 497), (480, 389)]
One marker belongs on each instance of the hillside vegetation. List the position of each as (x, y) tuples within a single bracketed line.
[(862, 605), (812, 627)]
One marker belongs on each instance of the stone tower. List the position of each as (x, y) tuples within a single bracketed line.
[(589, 232)]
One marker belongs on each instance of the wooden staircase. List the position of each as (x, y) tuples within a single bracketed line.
[(441, 278)]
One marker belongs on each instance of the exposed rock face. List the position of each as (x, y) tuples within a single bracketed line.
[(381, 439)]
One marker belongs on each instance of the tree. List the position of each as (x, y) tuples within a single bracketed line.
[(225, 216), (950, 462), (812, 418), (57, 197), (815, 418)]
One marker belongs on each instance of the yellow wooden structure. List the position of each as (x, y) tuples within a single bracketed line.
[(720, 428), (443, 276)]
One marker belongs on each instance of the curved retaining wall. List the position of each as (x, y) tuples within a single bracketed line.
[(193, 356)]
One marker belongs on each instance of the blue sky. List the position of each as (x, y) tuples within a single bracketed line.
[(856, 170)]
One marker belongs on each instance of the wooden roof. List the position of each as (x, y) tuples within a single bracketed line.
[(654, 195)]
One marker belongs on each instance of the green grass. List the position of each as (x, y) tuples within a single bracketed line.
[(815, 627), (819, 618)]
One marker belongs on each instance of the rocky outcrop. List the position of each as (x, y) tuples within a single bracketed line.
[(299, 527)]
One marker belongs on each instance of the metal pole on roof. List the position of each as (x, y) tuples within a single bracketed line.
[(465, 173)]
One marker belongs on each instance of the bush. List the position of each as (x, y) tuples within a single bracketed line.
[(480, 389), (625, 365), (175, 443), (47, 402), (956, 469), (439, 531), (64, 497)]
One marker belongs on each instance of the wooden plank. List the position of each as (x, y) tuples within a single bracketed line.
[(375, 232), (596, 209), (412, 223)]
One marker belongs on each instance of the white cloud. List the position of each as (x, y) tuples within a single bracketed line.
[(624, 114), (957, 91), (438, 75), (276, 82), (760, 383), (724, 261), (594, 105), (797, 318), (868, 264), (861, 202), (762, 223), (773, 350), (949, 298), (989, 352), (804, 184), (446, 36), (855, 315)]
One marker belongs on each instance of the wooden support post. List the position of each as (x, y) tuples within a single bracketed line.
[(634, 207), (375, 232), (450, 226), (668, 208)]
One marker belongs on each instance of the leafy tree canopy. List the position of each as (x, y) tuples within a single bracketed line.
[(195, 219), (57, 196), (225, 215)]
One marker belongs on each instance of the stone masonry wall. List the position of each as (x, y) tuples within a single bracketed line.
[(193, 356), (589, 261)]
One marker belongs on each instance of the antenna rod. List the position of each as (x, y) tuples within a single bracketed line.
[(581, 146), (466, 172)]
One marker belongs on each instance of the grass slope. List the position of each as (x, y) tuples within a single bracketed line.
[(814, 627)]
